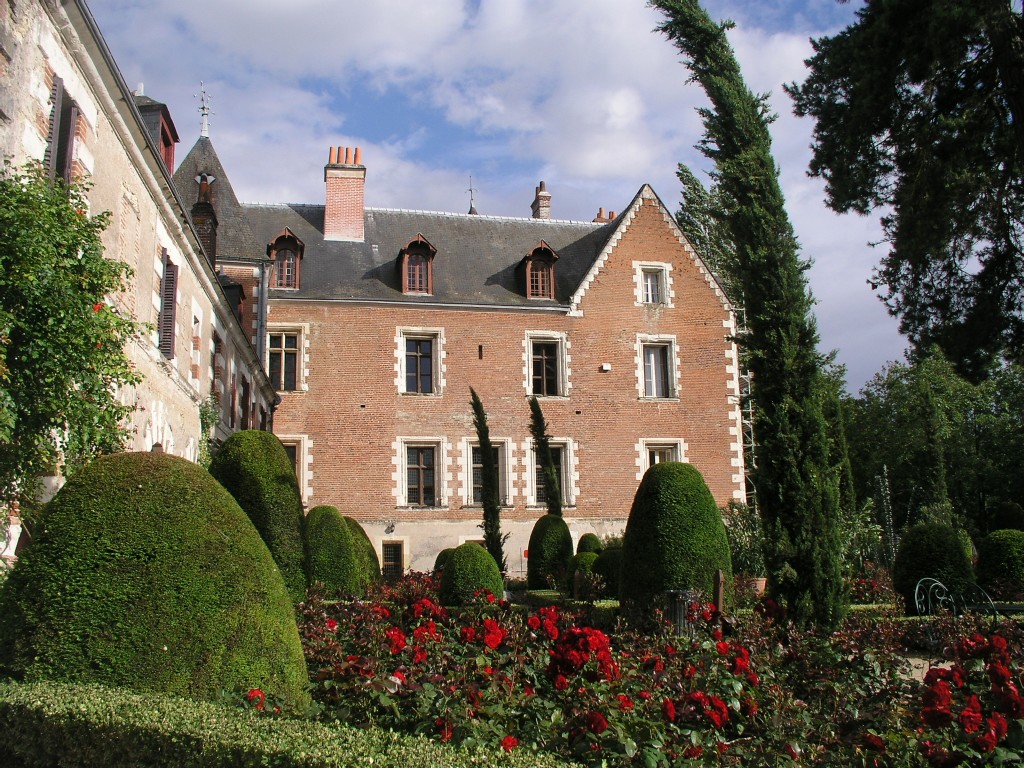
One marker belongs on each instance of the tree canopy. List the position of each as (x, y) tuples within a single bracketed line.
[(62, 357), (919, 110), (797, 488)]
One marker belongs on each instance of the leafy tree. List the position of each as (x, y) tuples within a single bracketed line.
[(542, 446), (703, 217), (62, 357), (796, 486), (919, 110), (494, 541)]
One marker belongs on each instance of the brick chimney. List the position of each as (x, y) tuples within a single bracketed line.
[(345, 176), (204, 217), (541, 206)]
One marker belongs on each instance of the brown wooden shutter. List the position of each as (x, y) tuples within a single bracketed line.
[(50, 157), (168, 306)]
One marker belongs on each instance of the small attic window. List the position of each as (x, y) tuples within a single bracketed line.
[(285, 251), (540, 272), (416, 262)]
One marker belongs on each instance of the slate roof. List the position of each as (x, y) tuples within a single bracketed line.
[(478, 259), (234, 235)]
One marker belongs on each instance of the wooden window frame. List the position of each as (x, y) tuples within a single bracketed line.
[(415, 361), (278, 357), (388, 564), (421, 468), (416, 263), (285, 252), (474, 496)]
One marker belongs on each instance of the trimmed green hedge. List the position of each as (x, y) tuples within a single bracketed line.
[(608, 566), (675, 536), (470, 569), (88, 726), (442, 558), (254, 466), (1001, 563), (550, 552), (145, 573), (932, 550), (589, 542), (369, 563), (333, 558)]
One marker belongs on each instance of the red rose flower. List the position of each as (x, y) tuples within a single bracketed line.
[(693, 752), (396, 639), (444, 729), (509, 743), (597, 723), (625, 703), (668, 707), (533, 623), (970, 716), (331, 625), (871, 741), (257, 698)]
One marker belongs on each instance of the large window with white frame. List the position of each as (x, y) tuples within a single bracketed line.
[(660, 450), (421, 475), (656, 373), (286, 357), (546, 364), (561, 458), (474, 484), (419, 354), (653, 284)]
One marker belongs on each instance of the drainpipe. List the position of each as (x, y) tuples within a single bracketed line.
[(261, 313)]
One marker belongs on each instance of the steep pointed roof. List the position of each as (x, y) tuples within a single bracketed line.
[(235, 238)]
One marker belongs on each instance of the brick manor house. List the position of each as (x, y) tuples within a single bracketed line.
[(379, 321)]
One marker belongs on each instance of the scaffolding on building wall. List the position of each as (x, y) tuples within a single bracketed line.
[(746, 414)]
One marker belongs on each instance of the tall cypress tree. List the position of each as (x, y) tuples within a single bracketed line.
[(490, 497), (796, 486), (542, 447)]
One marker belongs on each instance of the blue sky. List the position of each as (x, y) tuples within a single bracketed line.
[(584, 95)]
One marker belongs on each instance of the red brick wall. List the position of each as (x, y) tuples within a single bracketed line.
[(352, 409)]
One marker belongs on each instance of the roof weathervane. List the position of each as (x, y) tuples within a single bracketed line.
[(471, 190), (204, 109)]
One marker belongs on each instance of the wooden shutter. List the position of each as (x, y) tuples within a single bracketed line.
[(53, 134), (168, 306)]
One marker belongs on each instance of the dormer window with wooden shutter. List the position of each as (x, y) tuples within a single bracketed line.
[(416, 262), (540, 272), (285, 251)]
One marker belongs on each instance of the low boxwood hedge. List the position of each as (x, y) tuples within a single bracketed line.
[(90, 726)]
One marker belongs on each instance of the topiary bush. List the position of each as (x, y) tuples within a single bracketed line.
[(1006, 515), (145, 573), (334, 558), (583, 562), (930, 550), (470, 569), (608, 565), (675, 535), (550, 552), (369, 563), (442, 558), (254, 466), (1001, 564), (589, 542)]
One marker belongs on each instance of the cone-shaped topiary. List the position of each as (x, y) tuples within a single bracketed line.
[(550, 552), (442, 558), (146, 574), (675, 535), (334, 559), (254, 466), (590, 542), (369, 563), (930, 550), (607, 566), (1001, 564), (470, 570)]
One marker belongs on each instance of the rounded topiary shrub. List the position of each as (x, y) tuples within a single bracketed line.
[(442, 558), (470, 570), (144, 573), (550, 551), (369, 563), (1001, 564), (675, 535), (608, 565), (254, 466), (583, 562), (1006, 515), (334, 559), (930, 550), (589, 542)]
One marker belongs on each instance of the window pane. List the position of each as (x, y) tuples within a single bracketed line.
[(656, 376), (545, 368), (478, 473), (391, 560), (290, 360), (420, 476), (275, 368), (652, 287), (556, 460), (419, 365)]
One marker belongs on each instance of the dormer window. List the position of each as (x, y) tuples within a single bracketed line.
[(285, 251), (540, 272), (416, 262)]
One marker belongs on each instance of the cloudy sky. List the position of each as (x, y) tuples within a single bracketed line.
[(582, 94)]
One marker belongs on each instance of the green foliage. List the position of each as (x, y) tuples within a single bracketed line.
[(676, 531), (1006, 514), (703, 217), (442, 558), (609, 566), (491, 500), (793, 472), (542, 447), (145, 573), (470, 571), (83, 726), (746, 539), (550, 552), (583, 562), (62, 355), (369, 563), (333, 557), (930, 550), (1001, 564), (589, 542), (919, 111), (254, 466), (209, 415)]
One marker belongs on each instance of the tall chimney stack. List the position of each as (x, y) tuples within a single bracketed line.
[(345, 176), (541, 206)]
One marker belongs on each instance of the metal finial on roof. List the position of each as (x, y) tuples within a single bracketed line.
[(204, 110), (471, 190)]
